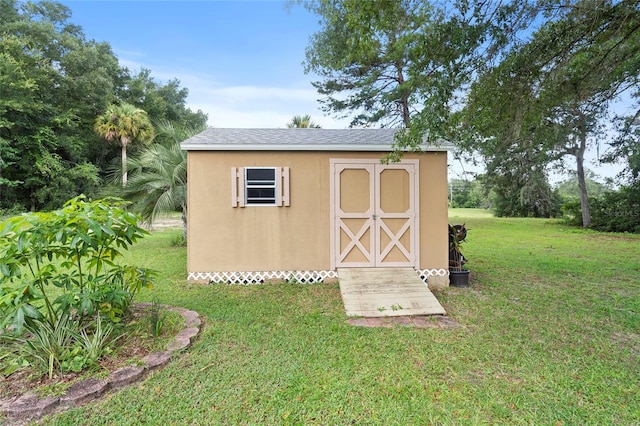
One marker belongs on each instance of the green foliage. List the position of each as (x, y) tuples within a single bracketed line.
[(542, 202), (468, 194), (162, 102), (569, 191), (302, 122), (571, 212), (10, 360), (551, 96), (92, 345), (158, 184), (66, 261), (48, 345), (157, 319), (179, 241), (404, 63), (617, 211), (53, 84), (364, 54), (124, 123), (522, 193), (62, 347), (12, 211), (613, 211), (548, 334), (625, 148), (59, 270)]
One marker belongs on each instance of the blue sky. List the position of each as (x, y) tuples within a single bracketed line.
[(240, 60)]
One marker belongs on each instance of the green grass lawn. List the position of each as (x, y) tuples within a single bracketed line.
[(549, 335)]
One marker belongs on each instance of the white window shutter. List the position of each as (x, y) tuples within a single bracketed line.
[(237, 187), (241, 195), (234, 187), (285, 187), (278, 186)]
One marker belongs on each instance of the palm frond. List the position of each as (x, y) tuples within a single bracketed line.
[(158, 182)]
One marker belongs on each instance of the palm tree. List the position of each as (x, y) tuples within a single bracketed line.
[(302, 122), (124, 123), (158, 183)]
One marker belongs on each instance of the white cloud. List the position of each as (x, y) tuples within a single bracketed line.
[(243, 106), (261, 107), (254, 106)]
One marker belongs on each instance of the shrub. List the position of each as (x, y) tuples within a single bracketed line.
[(615, 211), (572, 212), (179, 241), (65, 262), (65, 346), (47, 346)]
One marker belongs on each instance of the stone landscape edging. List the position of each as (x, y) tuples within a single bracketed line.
[(30, 406)]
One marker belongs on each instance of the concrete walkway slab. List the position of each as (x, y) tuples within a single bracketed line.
[(385, 292)]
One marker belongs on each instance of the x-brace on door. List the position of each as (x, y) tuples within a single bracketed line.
[(374, 213)]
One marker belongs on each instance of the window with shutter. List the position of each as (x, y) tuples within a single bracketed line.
[(259, 186)]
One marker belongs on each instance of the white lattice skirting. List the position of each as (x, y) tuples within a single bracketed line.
[(262, 276), (287, 276), (426, 273)]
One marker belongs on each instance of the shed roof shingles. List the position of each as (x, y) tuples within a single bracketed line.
[(296, 139)]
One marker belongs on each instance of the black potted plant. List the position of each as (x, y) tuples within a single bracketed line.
[(458, 277)]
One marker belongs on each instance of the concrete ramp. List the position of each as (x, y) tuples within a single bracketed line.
[(386, 292)]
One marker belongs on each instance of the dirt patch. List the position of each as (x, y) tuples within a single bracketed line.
[(163, 224), (417, 321)]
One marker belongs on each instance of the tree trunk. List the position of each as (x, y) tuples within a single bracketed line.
[(582, 183), (184, 222), (124, 142), (404, 97)]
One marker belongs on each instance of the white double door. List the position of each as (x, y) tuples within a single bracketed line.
[(374, 213)]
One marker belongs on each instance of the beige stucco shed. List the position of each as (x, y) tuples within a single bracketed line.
[(297, 204)]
